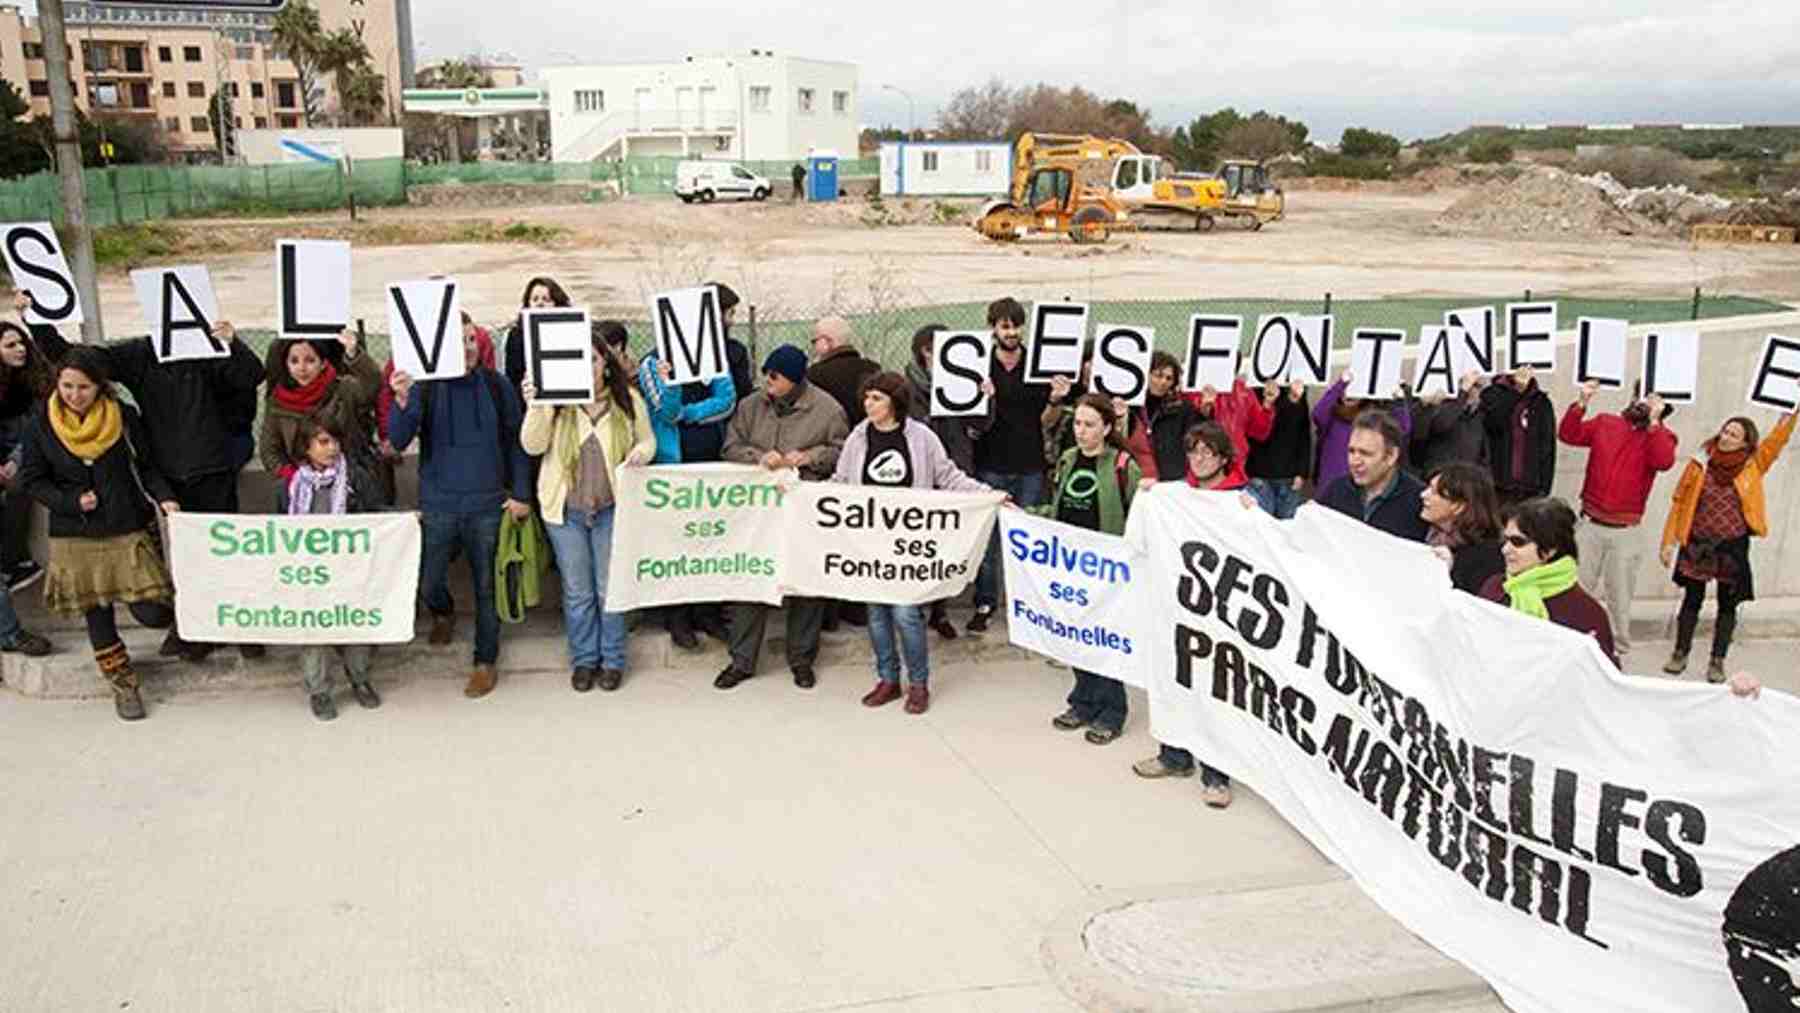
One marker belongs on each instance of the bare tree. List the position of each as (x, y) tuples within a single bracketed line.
[(1256, 138), (977, 114)]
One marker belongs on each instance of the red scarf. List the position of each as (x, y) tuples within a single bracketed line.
[(1723, 465), (302, 400)]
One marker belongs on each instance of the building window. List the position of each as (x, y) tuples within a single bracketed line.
[(165, 55), (590, 101), (256, 89), (196, 89), (34, 51), (759, 98), (168, 89), (284, 95), (984, 160), (244, 52), (238, 122), (140, 95), (803, 102), (199, 125), (931, 161), (172, 124), (190, 53), (40, 89), (840, 103), (97, 56), (262, 123), (288, 122), (134, 60), (235, 93)]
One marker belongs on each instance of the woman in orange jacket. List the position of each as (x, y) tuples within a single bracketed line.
[(1718, 508)]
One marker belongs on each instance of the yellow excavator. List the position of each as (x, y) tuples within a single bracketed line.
[(1088, 187)]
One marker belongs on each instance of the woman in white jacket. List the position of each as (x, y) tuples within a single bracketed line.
[(890, 448)]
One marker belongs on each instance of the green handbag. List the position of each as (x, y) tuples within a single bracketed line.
[(519, 564)]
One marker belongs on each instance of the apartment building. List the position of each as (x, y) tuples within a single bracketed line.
[(165, 65)]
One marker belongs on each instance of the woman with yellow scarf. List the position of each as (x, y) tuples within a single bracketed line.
[(84, 461), (582, 446)]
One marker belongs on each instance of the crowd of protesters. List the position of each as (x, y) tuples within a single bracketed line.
[(1468, 475)]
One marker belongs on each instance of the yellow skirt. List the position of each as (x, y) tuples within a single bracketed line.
[(85, 572)]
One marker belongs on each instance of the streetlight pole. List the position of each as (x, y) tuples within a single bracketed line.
[(68, 166), (912, 118)]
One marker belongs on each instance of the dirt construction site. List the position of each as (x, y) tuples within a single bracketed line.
[(797, 261)]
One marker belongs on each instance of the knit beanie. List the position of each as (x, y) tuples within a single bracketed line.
[(788, 361)]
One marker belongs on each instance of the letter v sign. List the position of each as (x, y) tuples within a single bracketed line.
[(417, 358)]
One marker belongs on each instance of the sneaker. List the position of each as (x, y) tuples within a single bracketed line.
[(1101, 736), (1676, 664), (1216, 796), (804, 677), (1154, 767), (729, 678), (978, 623), (1715, 670), (23, 576), (366, 695), (323, 708), (27, 643), (127, 704), (1069, 720)]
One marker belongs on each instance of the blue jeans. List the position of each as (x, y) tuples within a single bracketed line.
[(1177, 758), (9, 618), (1099, 699), (478, 535), (583, 544), (909, 622), (1277, 497), (1026, 491)]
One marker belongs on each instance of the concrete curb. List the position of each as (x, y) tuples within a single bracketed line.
[(1069, 957)]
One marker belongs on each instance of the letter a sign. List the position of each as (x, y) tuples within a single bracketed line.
[(690, 333)]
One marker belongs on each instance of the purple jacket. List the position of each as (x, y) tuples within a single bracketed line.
[(931, 466), (1334, 435)]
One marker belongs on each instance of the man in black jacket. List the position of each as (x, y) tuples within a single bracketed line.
[(1521, 428), (1446, 431), (1377, 491), (838, 368)]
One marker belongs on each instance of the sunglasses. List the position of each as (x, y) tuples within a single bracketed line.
[(1517, 541)]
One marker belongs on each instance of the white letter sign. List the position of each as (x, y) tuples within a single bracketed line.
[(1058, 330), (1531, 335), (1600, 351), (1272, 353), (1122, 361), (179, 309), (1375, 363), (559, 355), (1212, 352), (1477, 324), (960, 364), (35, 260), (1434, 369), (1776, 383), (425, 329), (1311, 361), (1672, 365), (313, 287), (690, 334)]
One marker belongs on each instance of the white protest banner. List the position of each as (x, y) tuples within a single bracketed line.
[(1272, 350), (306, 579), (1672, 364), (1212, 352), (1122, 361), (1435, 361), (425, 328), (881, 545), (696, 533), (1311, 362), (1776, 382), (559, 355), (1070, 596), (179, 310), (690, 334), (960, 363), (312, 287), (1486, 777), (1375, 361), (1058, 330), (34, 258), (1600, 351), (1531, 335), (1477, 325)]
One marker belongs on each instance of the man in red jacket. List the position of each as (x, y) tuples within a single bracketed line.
[(1246, 415), (1625, 453)]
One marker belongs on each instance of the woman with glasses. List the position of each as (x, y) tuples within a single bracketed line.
[(1538, 544)]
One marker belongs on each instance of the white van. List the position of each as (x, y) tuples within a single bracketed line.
[(709, 181)]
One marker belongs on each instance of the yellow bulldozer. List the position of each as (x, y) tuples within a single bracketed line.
[(1089, 187)]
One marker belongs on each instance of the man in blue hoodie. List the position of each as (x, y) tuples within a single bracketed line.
[(471, 466)]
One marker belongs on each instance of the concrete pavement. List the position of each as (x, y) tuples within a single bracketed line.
[(667, 847)]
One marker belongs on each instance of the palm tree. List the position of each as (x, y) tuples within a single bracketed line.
[(343, 54), (298, 35), (363, 98)]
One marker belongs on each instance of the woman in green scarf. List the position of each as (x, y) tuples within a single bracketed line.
[(1538, 545)]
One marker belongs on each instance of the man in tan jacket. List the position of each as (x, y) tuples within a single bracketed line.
[(790, 423)]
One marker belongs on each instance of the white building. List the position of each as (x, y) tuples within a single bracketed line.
[(946, 168), (753, 107)]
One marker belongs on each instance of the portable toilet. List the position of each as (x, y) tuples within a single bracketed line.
[(821, 177)]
